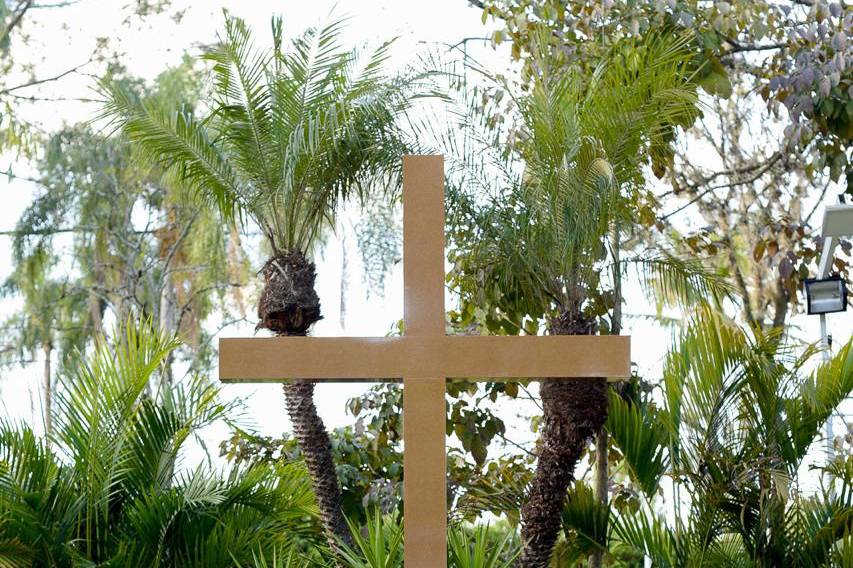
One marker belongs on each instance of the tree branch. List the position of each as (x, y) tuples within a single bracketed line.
[(52, 99), (17, 16), (59, 230), (739, 47), (760, 172), (56, 4), (45, 80)]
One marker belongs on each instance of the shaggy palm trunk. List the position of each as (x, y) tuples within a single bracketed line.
[(289, 305), (572, 412)]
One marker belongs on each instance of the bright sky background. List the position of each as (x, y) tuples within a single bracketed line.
[(63, 38)]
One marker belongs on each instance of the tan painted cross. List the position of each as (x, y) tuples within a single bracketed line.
[(424, 357)]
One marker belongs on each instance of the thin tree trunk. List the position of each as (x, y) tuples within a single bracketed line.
[(601, 480), (780, 305), (96, 304), (740, 281), (342, 312), (601, 438), (33, 418), (235, 260), (48, 389), (572, 412), (316, 447), (169, 324), (96, 313)]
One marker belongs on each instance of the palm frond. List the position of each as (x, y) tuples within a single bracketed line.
[(642, 439), (670, 280), (649, 534), (380, 547), (817, 399), (478, 547), (586, 521), (243, 103), (176, 142)]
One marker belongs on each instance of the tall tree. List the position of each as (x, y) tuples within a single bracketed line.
[(50, 321), (291, 134), (539, 246), (121, 240), (22, 64), (751, 209), (776, 130)]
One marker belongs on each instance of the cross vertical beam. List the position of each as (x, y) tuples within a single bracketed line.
[(423, 245), (424, 471)]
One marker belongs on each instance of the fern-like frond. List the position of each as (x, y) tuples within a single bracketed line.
[(642, 438), (670, 280), (176, 142)]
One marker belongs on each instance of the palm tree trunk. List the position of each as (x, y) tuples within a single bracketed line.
[(289, 305), (48, 389), (316, 448), (572, 412)]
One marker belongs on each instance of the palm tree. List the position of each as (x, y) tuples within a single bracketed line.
[(50, 321), (538, 249), (102, 488), (739, 414), (290, 135)]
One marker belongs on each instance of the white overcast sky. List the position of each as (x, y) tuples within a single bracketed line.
[(63, 38)]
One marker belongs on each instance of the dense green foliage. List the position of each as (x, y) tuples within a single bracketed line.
[(739, 412), (109, 487), (794, 54), (736, 416)]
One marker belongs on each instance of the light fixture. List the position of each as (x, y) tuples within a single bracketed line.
[(837, 220), (826, 295)]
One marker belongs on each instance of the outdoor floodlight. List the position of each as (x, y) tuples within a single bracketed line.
[(826, 296), (838, 220)]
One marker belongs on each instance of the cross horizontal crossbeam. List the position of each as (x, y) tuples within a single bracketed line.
[(388, 358)]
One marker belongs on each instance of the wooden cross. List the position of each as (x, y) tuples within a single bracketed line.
[(423, 358)]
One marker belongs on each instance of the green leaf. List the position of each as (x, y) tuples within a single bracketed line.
[(643, 440)]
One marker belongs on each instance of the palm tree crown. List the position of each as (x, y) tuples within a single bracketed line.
[(583, 143), (289, 133)]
